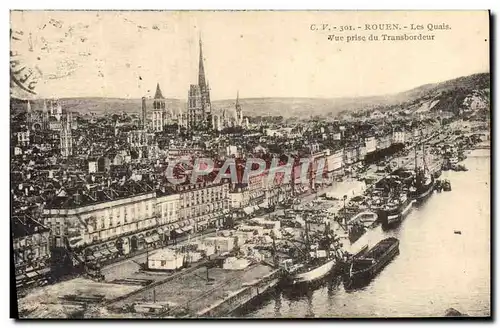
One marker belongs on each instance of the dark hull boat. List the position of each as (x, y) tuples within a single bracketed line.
[(395, 211), (368, 264), (424, 190), (359, 224), (355, 232), (446, 185), (424, 183)]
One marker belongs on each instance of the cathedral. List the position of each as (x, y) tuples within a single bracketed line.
[(52, 117)]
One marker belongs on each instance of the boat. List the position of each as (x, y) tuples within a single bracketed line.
[(446, 185), (356, 231), (459, 167), (424, 180), (367, 219), (405, 176), (438, 185), (396, 209), (437, 173), (424, 185), (317, 264), (309, 272), (367, 265)]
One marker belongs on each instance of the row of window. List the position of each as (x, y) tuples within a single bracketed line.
[(135, 212), (22, 256), (203, 209), (103, 234), (200, 201), (206, 192)]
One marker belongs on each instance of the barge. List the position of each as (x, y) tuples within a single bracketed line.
[(368, 264)]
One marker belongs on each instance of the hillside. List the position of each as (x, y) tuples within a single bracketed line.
[(451, 95), (446, 96)]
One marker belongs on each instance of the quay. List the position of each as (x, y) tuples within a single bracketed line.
[(248, 293), (194, 293)]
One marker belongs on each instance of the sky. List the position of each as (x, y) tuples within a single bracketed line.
[(261, 54)]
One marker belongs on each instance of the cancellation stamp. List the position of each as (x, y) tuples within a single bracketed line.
[(24, 76)]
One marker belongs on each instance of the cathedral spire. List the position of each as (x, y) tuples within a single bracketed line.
[(201, 70), (158, 94)]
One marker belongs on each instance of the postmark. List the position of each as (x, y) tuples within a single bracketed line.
[(24, 76)]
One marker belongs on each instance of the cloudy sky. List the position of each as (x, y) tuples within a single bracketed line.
[(261, 54)]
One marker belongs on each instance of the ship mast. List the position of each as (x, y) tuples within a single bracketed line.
[(423, 154), (416, 165), (308, 245), (275, 258), (327, 235)]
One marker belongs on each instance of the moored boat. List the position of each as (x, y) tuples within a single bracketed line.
[(437, 173), (356, 231), (424, 185), (438, 186), (312, 271), (396, 210), (446, 185), (366, 219), (424, 181), (365, 266), (317, 262)]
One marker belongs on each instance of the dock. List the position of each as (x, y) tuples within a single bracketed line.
[(241, 297), (191, 294)]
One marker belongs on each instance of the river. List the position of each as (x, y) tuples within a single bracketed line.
[(435, 270)]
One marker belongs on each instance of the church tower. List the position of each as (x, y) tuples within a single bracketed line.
[(52, 109), (239, 112), (158, 110), (66, 138), (195, 109), (59, 111), (45, 116)]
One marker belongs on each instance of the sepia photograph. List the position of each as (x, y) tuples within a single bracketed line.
[(250, 164)]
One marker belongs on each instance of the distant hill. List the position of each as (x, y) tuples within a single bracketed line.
[(451, 95), (447, 96)]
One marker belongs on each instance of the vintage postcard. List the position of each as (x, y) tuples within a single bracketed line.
[(250, 164)]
